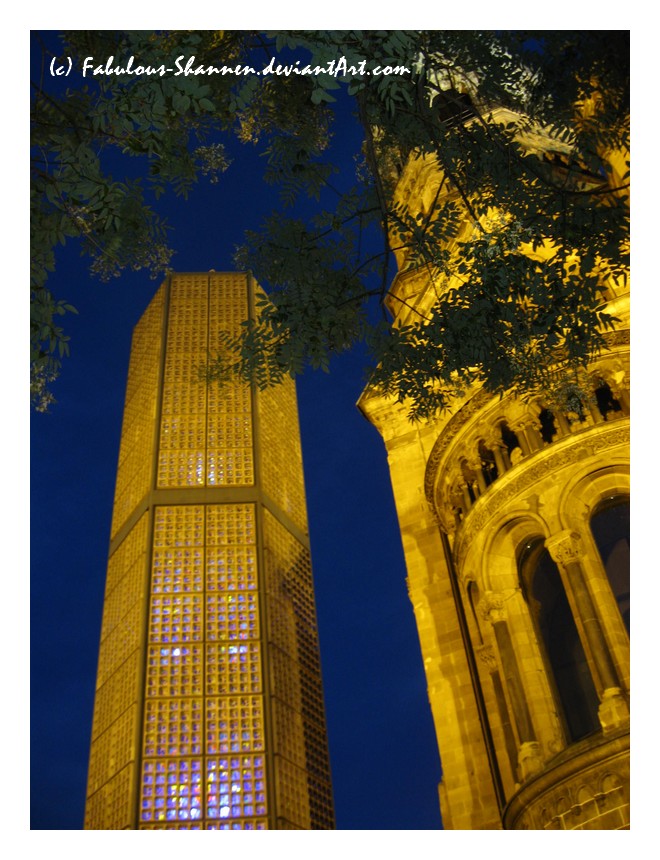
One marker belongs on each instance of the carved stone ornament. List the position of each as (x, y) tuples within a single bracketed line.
[(617, 338), (491, 607), (565, 547), (487, 657)]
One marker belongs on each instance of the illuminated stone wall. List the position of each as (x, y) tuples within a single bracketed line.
[(498, 504), (209, 705)]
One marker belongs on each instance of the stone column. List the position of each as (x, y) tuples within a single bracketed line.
[(595, 412), (523, 441), (621, 391), (498, 453), (467, 501), (533, 433), (494, 442), (488, 660), (529, 752), (566, 550), (563, 424), (475, 466)]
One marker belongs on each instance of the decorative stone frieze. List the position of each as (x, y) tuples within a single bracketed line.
[(584, 790), (548, 462)]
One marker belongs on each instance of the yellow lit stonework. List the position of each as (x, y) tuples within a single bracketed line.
[(502, 505), (209, 707)]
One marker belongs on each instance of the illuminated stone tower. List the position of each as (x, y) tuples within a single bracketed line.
[(209, 708), (514, 522)]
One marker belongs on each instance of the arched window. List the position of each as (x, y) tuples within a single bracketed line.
[(488, 466), (610, 526), (565, 657), (508, 437), (605, 400), (548, 426), (470, 479)]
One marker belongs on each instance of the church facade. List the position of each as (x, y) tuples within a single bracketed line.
[(514, 519)]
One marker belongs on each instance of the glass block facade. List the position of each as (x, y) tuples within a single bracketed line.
[(209, 705)]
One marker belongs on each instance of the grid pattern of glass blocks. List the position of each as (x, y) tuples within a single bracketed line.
[(288, 730), (236, 786), (173, 727), (280, 450), (126, 576), (182, 525), (112, 696), (176, 618), (205, 430), (109, 808), (182, 442), (204, 670), (177, 570), (174, 670), (172, 789), (230, 459), (292, 787), (136, 448), (115, 706), (205, 715), (234, 724), (232, 616), (296, 678), (117, 744), (233, 668)]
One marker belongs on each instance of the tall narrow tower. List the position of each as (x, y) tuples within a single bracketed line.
[(514, 517), (209, 706)]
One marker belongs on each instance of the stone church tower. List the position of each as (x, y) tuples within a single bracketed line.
[(514, 519)]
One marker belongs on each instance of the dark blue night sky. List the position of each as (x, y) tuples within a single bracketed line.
[(384, 758)]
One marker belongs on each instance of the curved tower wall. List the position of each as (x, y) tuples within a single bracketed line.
[(513, 522)]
